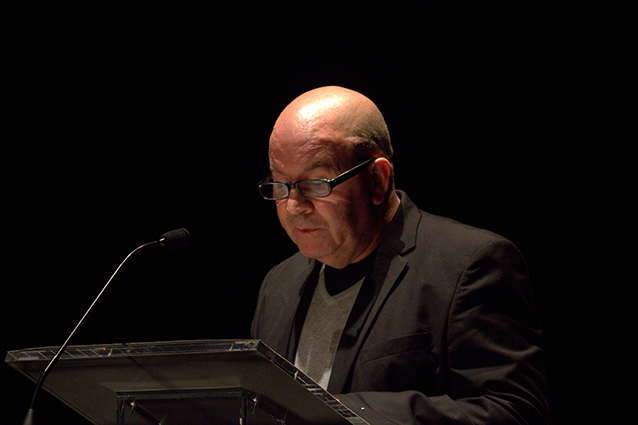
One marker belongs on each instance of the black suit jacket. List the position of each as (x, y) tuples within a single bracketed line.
[(442, 332)]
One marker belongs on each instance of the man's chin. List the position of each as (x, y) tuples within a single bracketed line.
[(312, 251)]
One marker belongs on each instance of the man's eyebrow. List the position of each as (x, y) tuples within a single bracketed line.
[(314, 166)]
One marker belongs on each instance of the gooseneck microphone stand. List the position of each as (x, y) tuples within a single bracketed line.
[(173, 239)]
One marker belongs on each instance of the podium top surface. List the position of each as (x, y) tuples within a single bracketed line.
[(138, 349), (89, 378)]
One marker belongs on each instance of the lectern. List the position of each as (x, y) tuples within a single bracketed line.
[(199, 382)]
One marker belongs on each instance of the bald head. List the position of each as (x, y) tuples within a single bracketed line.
[(337, 109), (320, 137)]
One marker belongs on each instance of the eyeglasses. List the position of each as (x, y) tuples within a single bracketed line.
[(312, 188)]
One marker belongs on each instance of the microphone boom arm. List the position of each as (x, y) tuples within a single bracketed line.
[(30, 414), (173, 239)]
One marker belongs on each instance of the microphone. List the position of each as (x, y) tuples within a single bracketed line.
[(174, 239)]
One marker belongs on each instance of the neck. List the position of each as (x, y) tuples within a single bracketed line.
[(338, 280), (385, 217)]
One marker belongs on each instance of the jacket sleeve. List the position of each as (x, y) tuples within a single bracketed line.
[(494, 361)]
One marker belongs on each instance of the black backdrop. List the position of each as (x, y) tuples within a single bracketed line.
[(123, 122)]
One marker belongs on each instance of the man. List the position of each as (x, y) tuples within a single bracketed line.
[(406, 317)]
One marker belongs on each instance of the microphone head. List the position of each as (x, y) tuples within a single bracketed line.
[(175, 239)]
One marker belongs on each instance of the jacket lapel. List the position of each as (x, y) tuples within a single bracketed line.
[(293, 314), (369, 302), (279, 324), (399, 238)]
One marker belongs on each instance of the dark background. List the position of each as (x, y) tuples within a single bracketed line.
[(123, 122)]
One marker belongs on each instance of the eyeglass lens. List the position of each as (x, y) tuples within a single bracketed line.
[(307, 188)]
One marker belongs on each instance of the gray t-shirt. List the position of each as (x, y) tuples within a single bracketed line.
[(322, 329)]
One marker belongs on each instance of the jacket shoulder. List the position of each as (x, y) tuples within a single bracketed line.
[(416, 230), (288, 276), (444, 245), (446, 233)]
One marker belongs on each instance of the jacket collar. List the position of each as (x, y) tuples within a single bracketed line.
[(400, 235)]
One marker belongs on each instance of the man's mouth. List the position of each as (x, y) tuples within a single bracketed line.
[(306, 230)]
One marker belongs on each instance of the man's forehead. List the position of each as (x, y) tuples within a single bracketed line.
[(304, 159), (299, 147)]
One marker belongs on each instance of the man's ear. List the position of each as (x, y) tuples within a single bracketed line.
[(381, 176)]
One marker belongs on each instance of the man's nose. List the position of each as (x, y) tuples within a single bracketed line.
[(297, 203)]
